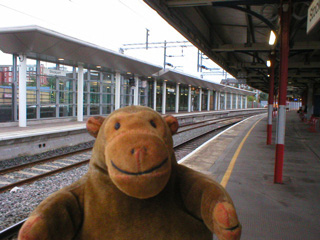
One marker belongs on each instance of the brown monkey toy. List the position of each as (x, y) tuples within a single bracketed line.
[(135, 189)]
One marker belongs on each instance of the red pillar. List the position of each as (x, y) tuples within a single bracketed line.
[(285, 14), (270, 100)]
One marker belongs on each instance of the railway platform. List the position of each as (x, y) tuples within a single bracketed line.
[(242, 162), (42, 137)]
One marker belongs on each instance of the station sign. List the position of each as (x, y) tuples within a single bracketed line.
[(313, 16), (53, 72)]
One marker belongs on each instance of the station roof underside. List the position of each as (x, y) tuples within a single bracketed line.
[(235, 35), (47, 45)]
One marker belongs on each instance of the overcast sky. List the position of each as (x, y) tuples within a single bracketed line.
[(107, 23)]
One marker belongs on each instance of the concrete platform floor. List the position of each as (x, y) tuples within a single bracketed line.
[(266, 210)]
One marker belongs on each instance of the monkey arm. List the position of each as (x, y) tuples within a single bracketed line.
[(57, 217), (207, 200)]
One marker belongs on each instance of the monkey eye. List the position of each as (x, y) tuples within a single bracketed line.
[(153, 124), (117, 126)]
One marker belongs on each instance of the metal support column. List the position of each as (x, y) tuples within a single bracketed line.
[(14, 89), (23, 91), (117, 90), (155, 95), (200, 100), (136, 92), (217, 102), (38, 84), (281, 123), (270, 100), (80, 94), (208, 100), (177, 99), (164, 97), (189, 99)]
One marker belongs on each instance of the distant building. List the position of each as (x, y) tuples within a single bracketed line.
[(6, 74)]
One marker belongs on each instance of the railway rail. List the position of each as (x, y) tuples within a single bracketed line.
[(27, 173)]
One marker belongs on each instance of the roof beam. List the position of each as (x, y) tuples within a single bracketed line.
[(197, 3), (298, 65), (264, 47)]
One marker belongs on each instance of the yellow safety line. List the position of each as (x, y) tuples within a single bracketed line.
[(227, 174)]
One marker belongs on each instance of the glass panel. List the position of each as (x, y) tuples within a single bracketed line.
[(31, 111), (106, 88), (67, 69), (94, 98), (31, 95), (222, 101), (94, 86), (107, 77), (65, 97), (6, 93), (94, 110), (170, 98), (47, 96), (151, 94), (159, 97), (85, 109), (106, 109), (65, 110), (31, 81), (47, 111), (94, 75), (48, 65), (66, 85), (106, 98), (183, 101)]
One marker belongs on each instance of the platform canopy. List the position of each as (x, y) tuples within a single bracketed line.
[(183, 78), (47, 45), (235, 34)]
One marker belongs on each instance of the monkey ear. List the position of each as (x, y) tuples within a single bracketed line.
[(172, 123), (94, 124)]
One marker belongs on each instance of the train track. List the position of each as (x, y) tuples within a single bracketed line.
[(30, 172)]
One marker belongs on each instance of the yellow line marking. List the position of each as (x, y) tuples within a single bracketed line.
[(227, 174)]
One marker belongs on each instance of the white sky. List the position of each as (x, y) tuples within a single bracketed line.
[(107, 23)]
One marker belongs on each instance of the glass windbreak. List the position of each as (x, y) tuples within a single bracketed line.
[(222, 101), (170, 98), (212, 100), (234, 101), (183, 101), (127, 91), (159, 97), (228, 100), (239, 101), (204, 100), (194, 99), (143, 93)]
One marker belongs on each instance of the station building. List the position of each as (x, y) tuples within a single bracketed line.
[(56, 76)]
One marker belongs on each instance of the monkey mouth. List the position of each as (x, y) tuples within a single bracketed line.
[(140, 173)]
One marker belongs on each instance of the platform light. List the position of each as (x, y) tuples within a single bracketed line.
[(166, 80), (272, 38), (61, 59), (98, 66), (268, 63)]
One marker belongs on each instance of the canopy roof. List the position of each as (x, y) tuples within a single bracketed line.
[(44, 44)]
